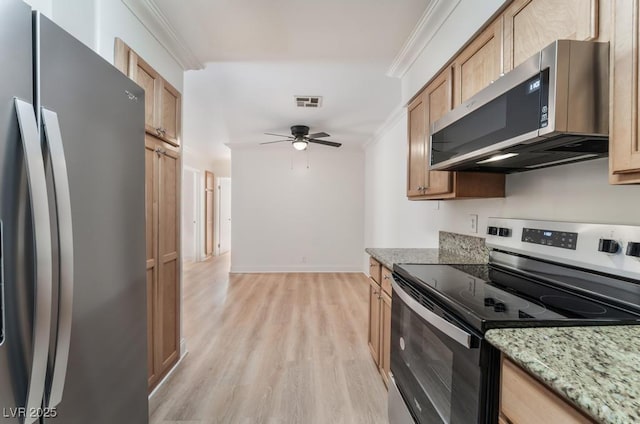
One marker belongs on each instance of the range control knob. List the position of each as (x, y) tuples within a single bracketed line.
[(504, 232), (608, 246), (492, 231), (499, 307), (489, 301), (633, 249)]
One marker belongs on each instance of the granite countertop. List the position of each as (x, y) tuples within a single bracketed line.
[(597, 369), (454, 249)]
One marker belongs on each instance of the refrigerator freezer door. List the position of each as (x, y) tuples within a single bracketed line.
[(16, 351), (101, 119)]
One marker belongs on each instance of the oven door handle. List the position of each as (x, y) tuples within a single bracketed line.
[(451, 330)]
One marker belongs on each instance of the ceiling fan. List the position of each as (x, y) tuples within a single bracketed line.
[(300, 138)]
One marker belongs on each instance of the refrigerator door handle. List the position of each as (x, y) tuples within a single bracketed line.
[(65, 239), (34, 165)]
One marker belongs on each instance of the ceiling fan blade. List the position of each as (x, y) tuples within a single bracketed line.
[(279, 135), (277, 141), (319, 135), (326, 143)]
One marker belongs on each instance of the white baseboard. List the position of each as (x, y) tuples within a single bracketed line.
[(293, 268), (166, 377)]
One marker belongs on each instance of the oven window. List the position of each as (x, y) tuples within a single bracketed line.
[(439, 379), (516, 112)]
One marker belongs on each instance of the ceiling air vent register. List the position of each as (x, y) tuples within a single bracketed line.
[(308, 101)]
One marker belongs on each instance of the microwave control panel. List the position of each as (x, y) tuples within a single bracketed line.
[(563, 239)]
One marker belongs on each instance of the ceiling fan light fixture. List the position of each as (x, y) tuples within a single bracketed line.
[(300, 144)]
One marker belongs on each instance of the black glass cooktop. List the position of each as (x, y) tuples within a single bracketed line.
[(491, 297)]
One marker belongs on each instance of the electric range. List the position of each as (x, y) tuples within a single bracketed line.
[(540, 273)]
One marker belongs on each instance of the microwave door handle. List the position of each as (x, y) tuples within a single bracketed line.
[(34, 165), (53, 138), (453, 331)]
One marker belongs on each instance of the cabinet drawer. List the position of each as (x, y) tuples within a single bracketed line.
[(524, 400), (386, 280), (375, 270)]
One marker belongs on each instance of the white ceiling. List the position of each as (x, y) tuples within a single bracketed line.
[(259, 54)]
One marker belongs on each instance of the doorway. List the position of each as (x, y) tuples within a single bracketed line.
[(224, 215), (191, 205)]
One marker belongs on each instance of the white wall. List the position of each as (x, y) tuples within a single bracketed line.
[(577, 192), (283, 212)]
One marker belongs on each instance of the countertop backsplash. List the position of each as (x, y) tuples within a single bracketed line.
[(463, 245)]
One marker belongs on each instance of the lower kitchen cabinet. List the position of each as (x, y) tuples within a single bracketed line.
[(524, 400), (162, 184), (385, 337), (374, 320), (379, 330)]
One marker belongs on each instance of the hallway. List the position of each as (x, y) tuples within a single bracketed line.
[(272, 348)]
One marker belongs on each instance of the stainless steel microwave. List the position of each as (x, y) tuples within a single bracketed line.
[(550, 110)]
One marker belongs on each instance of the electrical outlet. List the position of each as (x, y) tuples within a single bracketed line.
[(473, 223), (304, 259)]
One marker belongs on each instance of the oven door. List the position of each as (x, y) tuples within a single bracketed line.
[(436, 363)]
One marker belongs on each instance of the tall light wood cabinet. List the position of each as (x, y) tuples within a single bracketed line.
[(374, 320), (162, 170), (163, 103), (162, 209), (379, 330), (624, 141), (209, 194)]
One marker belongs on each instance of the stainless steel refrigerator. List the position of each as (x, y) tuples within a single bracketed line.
[(73, 293)]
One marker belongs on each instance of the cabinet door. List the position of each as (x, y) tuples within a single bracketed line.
[(438, 99), (147, 78), (374, 320), (151, 218), (416, 160), (479, 64), (168, 257), (209, 192), (530, 25), (385, 337), (524, 400), (624, 143), (170, 100)]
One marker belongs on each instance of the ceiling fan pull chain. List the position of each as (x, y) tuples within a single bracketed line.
[(307, 149)]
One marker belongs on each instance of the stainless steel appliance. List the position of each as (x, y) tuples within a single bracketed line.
[(550, 110), (540, 273), (72, 299)]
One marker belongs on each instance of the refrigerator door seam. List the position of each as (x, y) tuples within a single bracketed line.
[(34, 165), (53, 137)]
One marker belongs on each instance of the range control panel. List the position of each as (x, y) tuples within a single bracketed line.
[(563, 239), (609, 248)]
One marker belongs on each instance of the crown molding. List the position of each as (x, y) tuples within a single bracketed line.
[(426, 28), (150, 15)]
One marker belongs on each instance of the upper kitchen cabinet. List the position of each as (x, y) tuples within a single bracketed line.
[(479, 64), (530, 25), (431, 104), (162, 100), (624, 143)]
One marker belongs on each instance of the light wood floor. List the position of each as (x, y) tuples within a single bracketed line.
[(272, 348)]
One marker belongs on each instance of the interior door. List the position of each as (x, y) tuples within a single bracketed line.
[(224, 207), (209, 193)]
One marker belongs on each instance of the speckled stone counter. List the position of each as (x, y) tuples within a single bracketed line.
[(597, 369)]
